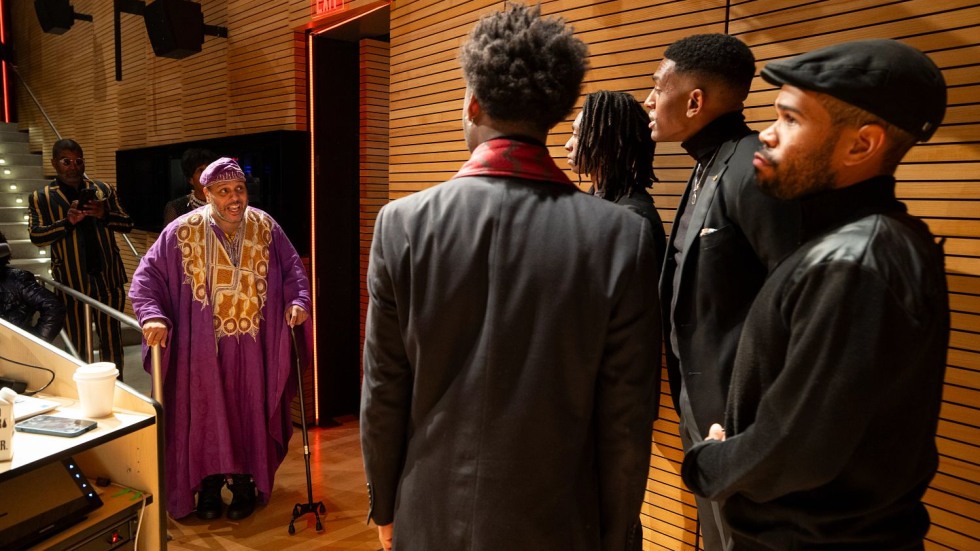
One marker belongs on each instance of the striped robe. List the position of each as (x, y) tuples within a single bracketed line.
[(49, 226)]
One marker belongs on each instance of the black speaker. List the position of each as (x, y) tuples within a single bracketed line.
[(176, 27), (55, 16)]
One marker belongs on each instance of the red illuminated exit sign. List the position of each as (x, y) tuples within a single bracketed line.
[(322, 8)]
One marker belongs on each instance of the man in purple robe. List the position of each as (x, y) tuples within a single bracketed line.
[(220, 291)]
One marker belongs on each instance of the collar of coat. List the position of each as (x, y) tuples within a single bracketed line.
[(515, 158)]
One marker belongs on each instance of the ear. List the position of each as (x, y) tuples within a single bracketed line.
[(865, 144), (473, 109), (695, 102)]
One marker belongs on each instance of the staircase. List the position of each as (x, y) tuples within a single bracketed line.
[(21, 172)]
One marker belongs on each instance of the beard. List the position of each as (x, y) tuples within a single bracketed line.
[(803, 173)]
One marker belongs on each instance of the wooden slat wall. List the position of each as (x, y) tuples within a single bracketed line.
[(252, 81), (374, 152), (940, 180)]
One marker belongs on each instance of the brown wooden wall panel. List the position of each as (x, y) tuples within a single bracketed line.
[(252, 81)]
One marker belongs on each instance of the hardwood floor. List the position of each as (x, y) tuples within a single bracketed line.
[(338, 481)]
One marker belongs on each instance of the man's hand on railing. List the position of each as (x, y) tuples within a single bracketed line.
[(155, 332)]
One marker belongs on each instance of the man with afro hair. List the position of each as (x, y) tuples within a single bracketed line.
[(513, 333)]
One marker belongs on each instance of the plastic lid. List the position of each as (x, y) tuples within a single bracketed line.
[(97, 370)]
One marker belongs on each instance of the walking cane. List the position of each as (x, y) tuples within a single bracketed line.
[(301, 509)]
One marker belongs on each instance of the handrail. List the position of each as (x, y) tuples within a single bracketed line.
[(58, 134), (90, 302), (156, 391)]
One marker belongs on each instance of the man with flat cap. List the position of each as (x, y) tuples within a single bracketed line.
[(829, 435), (220, 291)]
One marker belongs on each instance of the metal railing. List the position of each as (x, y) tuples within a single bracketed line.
[(89, 303), (156, 390)]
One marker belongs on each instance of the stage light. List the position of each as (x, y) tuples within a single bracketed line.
[(176, 28), (57, 16)]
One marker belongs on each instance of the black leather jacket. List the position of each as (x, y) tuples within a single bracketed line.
[(21, 296), (837, 385)]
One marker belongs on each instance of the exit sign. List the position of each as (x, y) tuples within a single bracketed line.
[(326, 7)]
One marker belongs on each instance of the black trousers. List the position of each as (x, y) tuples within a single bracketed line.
[(107, 328)]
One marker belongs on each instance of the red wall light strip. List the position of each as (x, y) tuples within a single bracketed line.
[(3, 65), (314, 279)]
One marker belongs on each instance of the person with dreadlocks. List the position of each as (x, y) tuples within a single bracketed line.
[(611, 145), (512, 344)]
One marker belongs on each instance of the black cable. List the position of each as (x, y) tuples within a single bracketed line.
[(32, 392)]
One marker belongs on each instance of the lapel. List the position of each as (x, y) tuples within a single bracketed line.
[(707, 194)]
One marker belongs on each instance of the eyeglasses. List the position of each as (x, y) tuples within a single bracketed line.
[(66, 162)]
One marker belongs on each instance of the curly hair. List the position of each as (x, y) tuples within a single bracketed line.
[(715, 56), (193, 158), (524, 68), (614, 144)]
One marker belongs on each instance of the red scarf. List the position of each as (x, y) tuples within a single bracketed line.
[(512, 158)]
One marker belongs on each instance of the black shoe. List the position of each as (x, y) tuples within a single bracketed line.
[(243, 496), (209, 502)]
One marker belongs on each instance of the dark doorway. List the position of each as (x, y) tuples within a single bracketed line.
[(336, 179), (337, 156)]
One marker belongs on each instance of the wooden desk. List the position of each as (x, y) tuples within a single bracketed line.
[(33, 450), (126, 447)]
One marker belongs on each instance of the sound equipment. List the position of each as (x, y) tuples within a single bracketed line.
[(55, 16), (175, 27)]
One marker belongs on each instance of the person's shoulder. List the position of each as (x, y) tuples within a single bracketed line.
[(894, 248), (261, 217), (881, 242), (44, 191), (441, 192), (22, 277)]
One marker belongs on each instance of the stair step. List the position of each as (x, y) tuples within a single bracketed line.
[(13, 135), (17, 148), (15, 230), (25, 250), (24, 184), (21, 159), (15, 172), (13, 214), (37, 266), (15, 199)]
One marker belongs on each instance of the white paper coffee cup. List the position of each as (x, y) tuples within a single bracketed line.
[(96, 384)]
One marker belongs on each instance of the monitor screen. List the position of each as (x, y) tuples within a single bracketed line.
[(42, 502), (277, 175)]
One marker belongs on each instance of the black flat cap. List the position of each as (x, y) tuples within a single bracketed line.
[(884, 77)]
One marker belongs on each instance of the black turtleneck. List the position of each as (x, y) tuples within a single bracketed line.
[(834, 208), (729, 126)]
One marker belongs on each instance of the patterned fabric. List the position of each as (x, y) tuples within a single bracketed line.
[(86, 258), (236, 289), (511, 158), (227, 398)]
